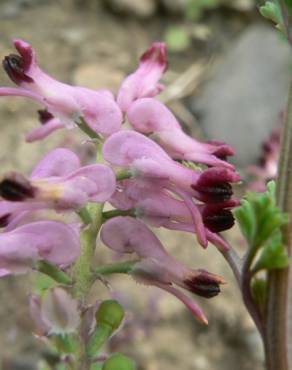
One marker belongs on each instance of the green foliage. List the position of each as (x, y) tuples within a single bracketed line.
[(177, 38), (273, 255), (271, 10), (195, 8), (289, 4), (119, 361), (43, 282), (260, 221)]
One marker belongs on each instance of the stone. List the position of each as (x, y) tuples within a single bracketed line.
[(178, 6), (241, 102), (140, 9)]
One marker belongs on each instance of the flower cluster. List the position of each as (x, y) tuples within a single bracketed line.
[(149, 174)]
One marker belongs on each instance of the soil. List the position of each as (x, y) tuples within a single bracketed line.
[(82, 43)]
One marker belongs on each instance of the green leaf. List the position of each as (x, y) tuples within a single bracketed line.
[(42, 283), (259, 217), (273, 255), (246, 217), (195, 8), (288, 4), (96, 366), (177, 38), (272, 11)]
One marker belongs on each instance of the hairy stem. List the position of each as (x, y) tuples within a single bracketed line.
[(279, 302), (115, 268)]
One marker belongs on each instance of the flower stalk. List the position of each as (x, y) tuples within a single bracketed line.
[(279, 305)]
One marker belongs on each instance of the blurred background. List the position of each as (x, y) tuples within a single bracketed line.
[(227, 80)]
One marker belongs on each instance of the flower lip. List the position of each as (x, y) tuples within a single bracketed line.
[(219, 220), (4, 220), (204, 284), (44, 116), (16, 187), (15, 68), (215, 192)]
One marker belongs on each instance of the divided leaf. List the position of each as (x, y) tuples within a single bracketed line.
[(260, 221)]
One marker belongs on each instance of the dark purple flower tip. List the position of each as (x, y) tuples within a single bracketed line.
[(217, 219), (15, 68), (214, 184), (204, 284), (4, 220), (15, 187), (157, 52), (44, 116), (223, 150)]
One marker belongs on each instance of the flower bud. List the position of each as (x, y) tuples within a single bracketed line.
[(111, 313), (60, 312), (119, 361)]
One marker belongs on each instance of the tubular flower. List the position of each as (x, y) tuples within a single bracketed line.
[(57, 182), (144, 81), (52, 241), (160, 207), (49, 124), (150, 116), (65, 102), (147, 159), (156, 267)]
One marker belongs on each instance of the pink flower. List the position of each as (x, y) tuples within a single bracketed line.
[(160, 207), (267, 167), (156, 267), (148, 160), (65, 102), (150, 116), (49, 124), (54, 313), (52, 241), (144, 81), (57, 182)]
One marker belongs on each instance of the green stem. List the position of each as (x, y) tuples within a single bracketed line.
[(117, 212), (81, 123), (279, 302), (99, 337), (54, 272), (116, 268), (82, 269), (84, 215), (123, 174)]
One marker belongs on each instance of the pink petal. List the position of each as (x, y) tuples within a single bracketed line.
[(188, 302), (55, 241), (58, 162), (101, 176), (128, 235), (41, 132), (144, 81), (151, 116)]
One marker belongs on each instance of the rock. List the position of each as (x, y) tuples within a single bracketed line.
[(178, 6), (140, 9), (241, 102), (97, 76)]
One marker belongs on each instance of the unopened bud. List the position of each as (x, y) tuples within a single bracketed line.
[(119, 361), (60, 312), (111, 313)]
